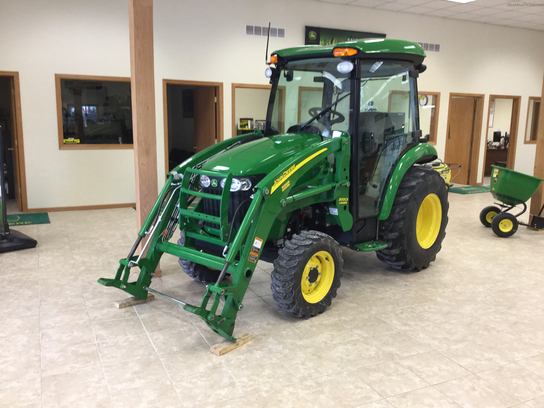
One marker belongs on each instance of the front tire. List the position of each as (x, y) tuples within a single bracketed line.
[(416, 226), (307, 274), (199, 273)]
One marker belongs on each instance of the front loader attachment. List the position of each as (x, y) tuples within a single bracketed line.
[(181, 204)]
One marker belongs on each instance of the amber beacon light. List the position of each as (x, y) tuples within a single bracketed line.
[(344, 52)]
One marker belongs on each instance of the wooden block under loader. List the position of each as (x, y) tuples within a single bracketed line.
[(226, 346), (131, 301)]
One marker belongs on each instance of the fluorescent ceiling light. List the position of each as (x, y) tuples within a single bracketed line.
[(461, 1)]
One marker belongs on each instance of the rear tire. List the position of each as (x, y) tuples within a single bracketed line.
[(416, 226), (307, 274), (199, 273), (504, 225), (487, 215)]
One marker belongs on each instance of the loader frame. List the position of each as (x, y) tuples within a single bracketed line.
[(272, 195)]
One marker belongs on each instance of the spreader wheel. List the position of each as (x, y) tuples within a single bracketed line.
[(487, 214), (504, 225), (307, 274)]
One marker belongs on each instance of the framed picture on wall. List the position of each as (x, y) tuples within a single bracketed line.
[(245, 123), (260, 124)]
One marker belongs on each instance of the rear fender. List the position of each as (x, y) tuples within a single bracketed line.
[(422, 153)]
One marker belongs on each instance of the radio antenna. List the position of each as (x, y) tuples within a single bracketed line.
[(267, 41)]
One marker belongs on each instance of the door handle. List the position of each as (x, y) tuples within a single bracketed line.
[(11, 148)]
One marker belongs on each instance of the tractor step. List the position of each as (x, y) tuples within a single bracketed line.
[(371, 246)]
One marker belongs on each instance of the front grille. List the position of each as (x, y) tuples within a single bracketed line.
[(212, 207)]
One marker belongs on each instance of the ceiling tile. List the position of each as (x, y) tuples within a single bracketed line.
[(486, 11), (460, 16), (465, 8), (471, 17), (508, 15), (413, 2), (439, 4), (393, 6), (418, 10), (484, 19), (440, 13), (337, 1), (534, 26), (529, 17), (531, 10), (368, 3), (490, 3)]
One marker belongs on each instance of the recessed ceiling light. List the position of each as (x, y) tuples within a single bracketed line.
[(461, 1)]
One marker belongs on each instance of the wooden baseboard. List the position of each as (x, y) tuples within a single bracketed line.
[(81, 208)]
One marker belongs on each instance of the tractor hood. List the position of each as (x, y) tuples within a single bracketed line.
[(261, 156)]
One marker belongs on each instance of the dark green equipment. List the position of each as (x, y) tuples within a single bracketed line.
[(341, 162)]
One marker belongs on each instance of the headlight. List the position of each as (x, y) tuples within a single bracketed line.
[(205, 181), (243, 184)]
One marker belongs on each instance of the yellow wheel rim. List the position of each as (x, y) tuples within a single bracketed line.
[(489, 216), (317, 277), (429, 219), (506, 225)]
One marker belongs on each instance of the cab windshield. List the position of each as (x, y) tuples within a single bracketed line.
[(311, 96)]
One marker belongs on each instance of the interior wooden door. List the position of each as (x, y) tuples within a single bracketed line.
[(460, 136), (514, 125), (205, 122), (9, 95), (14, 148)]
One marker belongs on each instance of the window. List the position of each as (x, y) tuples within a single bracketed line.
[(429, 104), (94, 112), (310, 95), (533, 114)]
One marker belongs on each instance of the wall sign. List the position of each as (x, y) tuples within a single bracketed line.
[(328, 36)]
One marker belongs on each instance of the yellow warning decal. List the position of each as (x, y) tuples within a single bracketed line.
[(255, 249), (289, 172), (342, 201)]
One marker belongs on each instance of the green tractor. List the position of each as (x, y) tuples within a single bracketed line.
[(341, 162)]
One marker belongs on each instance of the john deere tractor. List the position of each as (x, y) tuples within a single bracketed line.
[(341, 162)]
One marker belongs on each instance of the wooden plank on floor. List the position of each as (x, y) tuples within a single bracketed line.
[(226, 346), (131, 301)]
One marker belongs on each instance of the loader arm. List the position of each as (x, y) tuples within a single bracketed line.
[(272, 195)]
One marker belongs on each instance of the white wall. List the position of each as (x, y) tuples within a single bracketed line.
[(39, 39), (204, 40), (250, 103)]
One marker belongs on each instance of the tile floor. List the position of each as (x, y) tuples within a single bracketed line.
[(466, 332)]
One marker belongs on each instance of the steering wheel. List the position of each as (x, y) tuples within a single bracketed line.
[(339, 117)]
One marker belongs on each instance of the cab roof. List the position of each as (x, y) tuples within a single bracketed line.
[(366, 48)]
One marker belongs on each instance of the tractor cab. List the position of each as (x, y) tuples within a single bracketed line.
[(364, 89)]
